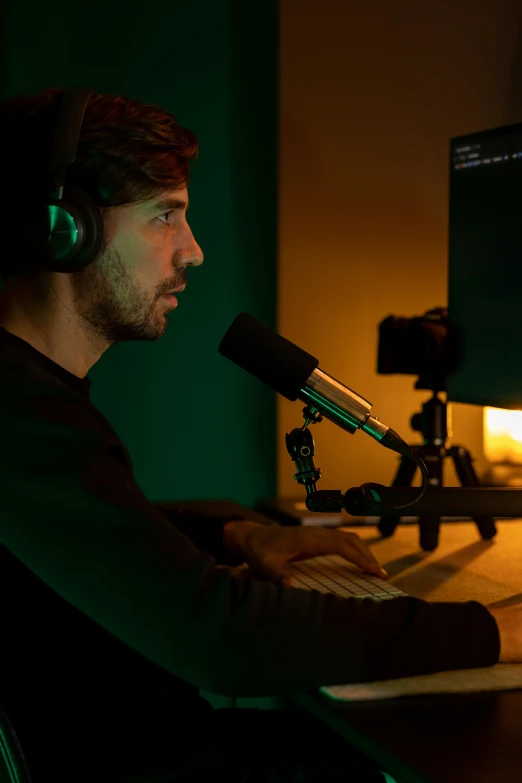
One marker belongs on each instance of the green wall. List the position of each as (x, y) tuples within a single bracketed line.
[(195, 425)]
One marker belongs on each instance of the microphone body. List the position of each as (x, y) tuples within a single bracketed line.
[(295, 374), (340, 404)]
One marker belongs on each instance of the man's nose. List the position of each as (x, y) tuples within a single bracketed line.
[(197, 257), (192, 253)]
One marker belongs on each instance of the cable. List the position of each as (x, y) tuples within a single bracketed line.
[(394, 442)]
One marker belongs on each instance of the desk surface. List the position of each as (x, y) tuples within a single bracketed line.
[(452, 738), (435, 739), (462, 568)]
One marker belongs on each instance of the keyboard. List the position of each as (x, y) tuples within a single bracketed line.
[(333, 574)]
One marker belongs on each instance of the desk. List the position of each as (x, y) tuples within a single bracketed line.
[(453, 738), (471, 738)]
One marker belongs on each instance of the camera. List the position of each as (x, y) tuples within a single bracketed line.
[(423, 345)]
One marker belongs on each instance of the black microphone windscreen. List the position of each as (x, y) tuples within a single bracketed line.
[(272, 359)]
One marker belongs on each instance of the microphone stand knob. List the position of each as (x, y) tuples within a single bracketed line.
[(300, 445)]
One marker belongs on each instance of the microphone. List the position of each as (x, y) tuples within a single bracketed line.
[(296, 374)]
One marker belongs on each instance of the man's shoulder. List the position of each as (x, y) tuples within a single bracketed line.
[(32, 398)]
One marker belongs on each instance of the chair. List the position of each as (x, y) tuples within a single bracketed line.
[(13, 767)]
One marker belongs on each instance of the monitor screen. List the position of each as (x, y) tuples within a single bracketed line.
[(485, 267)]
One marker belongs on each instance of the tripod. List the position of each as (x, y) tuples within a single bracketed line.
[(432, 423)]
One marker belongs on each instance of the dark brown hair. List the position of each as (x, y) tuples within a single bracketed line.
[(128, 152)]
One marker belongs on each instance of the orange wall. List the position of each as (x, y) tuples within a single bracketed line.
[(370, 95)]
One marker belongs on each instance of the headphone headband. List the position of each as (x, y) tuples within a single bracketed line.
[(71, 110)]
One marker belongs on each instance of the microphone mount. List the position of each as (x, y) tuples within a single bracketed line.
[(301, 447), (371, 499)]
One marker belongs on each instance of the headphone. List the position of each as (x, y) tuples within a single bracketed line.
[(66, 232)]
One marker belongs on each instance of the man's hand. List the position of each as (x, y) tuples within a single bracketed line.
[(269, 548), (509, 621)]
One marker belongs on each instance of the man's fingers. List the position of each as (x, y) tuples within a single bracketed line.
[(365, 558), (359, 544), (315, 541)]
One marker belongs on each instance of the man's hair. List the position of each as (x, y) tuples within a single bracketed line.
[(128, 152)]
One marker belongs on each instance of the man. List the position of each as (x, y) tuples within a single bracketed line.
[(118, 610)]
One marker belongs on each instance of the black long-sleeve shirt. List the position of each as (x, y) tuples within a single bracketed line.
[(114, 608)]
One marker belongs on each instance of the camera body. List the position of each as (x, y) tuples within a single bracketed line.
[(422, 346)]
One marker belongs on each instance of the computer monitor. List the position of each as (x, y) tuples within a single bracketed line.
[(485, 267)]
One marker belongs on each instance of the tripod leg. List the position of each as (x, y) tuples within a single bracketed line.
[(403, 478), (429, 526), (429, 532), (468, 478)]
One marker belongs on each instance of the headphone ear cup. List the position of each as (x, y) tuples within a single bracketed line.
[(66, 235)]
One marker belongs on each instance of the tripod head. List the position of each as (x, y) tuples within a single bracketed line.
[(432, 421)]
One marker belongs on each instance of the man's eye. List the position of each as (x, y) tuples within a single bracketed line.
[(165, 214)]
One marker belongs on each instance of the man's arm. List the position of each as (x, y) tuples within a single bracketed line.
[(73, 514), (204, 530), (509, 622)]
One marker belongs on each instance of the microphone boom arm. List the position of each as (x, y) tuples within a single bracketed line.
[(370, 499)]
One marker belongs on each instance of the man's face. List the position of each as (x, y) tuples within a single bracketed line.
[(120, 296)]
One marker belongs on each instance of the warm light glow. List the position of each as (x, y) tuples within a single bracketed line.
[(503, 435)]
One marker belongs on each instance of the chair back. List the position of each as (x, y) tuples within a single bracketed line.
[(13, 767)]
